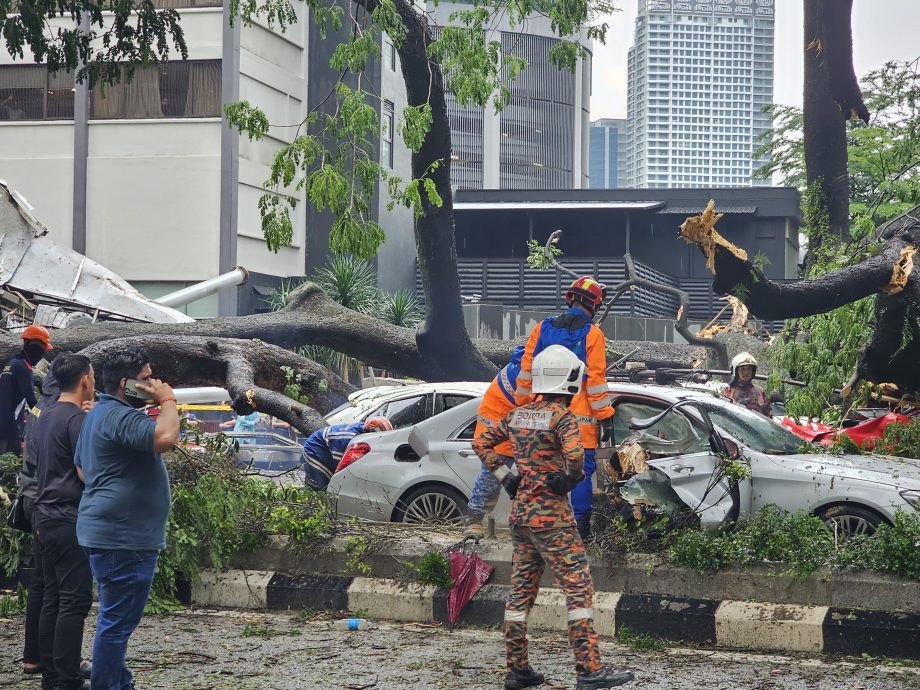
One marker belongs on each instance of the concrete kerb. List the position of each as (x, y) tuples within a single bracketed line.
[(396, 549), (732, 624), (754, 609)]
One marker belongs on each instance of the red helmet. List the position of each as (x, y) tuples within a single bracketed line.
[(587, 288), (39, 333), (379, 424)]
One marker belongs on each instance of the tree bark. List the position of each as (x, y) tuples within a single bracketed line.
[(442, 336), (251, 372), (824, 123)]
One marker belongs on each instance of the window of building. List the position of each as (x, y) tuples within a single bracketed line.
[(29, 92), (386, 134), (389, 54), (186, 89)]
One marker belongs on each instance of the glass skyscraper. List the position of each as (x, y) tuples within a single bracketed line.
[(700, 76), (607, 154)]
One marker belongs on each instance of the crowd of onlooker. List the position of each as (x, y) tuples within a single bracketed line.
[(95, 495)]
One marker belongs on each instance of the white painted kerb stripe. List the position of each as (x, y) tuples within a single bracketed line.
[(391, 600), (236, 589), (770, 626)]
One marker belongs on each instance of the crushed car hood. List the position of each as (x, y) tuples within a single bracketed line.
[(883, 469)]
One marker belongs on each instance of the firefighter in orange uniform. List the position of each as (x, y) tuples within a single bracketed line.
[(574, 330)]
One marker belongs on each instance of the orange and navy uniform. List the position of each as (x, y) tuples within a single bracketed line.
[(499, 399), (574, 330)]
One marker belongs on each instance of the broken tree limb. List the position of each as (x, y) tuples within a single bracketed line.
[(892, 353), (252, 373)]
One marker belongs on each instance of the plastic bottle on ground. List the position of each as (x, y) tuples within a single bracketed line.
[(353, 624)]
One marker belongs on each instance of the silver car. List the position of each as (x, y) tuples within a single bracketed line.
[(389, 480)]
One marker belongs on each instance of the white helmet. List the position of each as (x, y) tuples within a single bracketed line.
[(740, 360), (557, 370)]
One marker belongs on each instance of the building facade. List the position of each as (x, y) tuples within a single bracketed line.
[(539, 139), (607, 154), (700, 75)]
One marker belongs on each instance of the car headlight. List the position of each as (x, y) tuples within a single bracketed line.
[(912, 496)]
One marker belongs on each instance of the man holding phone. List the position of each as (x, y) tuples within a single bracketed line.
[(122, 517)]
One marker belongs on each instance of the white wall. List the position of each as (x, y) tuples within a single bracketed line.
[(153, 198), (273, 73), (36, 159)]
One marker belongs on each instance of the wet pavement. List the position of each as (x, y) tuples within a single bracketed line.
[(217, 650)]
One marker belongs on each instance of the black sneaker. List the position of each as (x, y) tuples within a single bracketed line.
[(524, 678), (603, 678)]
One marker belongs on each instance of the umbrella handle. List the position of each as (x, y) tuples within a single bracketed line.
[(471, 538)]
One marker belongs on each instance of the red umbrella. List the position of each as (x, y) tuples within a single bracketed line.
[(469, 573)]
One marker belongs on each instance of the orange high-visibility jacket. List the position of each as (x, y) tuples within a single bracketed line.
[(593, 402), (493, 408)]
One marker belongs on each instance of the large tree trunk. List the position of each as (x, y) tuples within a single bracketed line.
[(825, 124), (442, 337)]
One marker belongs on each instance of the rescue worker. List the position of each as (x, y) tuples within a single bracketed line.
[(574, 330), (17, 386), (496, 403), (742, 388), (323, 450), (547, 449)]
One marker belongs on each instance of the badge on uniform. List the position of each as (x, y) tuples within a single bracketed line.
[(532, 419)]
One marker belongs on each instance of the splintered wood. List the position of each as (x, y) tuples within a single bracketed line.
[(701, 230), (901, 271)]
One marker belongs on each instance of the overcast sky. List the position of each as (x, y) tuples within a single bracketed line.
[(882, 30)]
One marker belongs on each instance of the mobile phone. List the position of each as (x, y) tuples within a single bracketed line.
[(132, 390)]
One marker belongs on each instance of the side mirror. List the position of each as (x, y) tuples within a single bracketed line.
[(720, 444)]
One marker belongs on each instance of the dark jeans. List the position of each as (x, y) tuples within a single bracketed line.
[(123, 580), (30, 653), (11, 445), (67, 599)]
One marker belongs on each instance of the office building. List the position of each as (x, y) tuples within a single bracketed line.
[(700, 76), (607, 154)]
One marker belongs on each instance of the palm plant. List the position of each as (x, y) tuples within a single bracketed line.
[(402, 308)]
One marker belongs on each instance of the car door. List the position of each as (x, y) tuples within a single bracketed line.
[(681, 451)]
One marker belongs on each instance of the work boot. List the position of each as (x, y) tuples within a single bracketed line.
[(523, 678), (472, 526), (603, 678)]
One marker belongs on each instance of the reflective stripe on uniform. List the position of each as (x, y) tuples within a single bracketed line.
[(585, 420), (600, 404), (578, 614), (515, 616), (317, 465), (525, 375), (599, 388), (484, 420), (504, 383)]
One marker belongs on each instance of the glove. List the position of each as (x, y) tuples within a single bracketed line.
[(511, 483), (561, 483), (607, 430)]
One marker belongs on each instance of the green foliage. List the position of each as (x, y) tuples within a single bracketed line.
[(357, 547), (12, 542), (352, 283), (641, 643), (736, 470), (292, 387), (536, 256), (258, 630), (892, 549), (402, 308), (120, 34), (217, 512), (902, 440), (14, 603), (333, 159), (433, 569), (883, 156)]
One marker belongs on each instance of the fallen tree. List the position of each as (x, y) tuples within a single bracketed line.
[(892, 353)]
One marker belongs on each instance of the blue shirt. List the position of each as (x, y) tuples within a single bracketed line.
[(324, 449), (126, 501), (246, 422)]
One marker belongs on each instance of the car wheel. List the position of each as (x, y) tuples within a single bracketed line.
[(848, 521), (431, 505)]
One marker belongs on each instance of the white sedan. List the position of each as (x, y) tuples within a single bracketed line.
[(430, 480)]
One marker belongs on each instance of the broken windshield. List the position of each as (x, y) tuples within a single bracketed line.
[(752, 429)]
